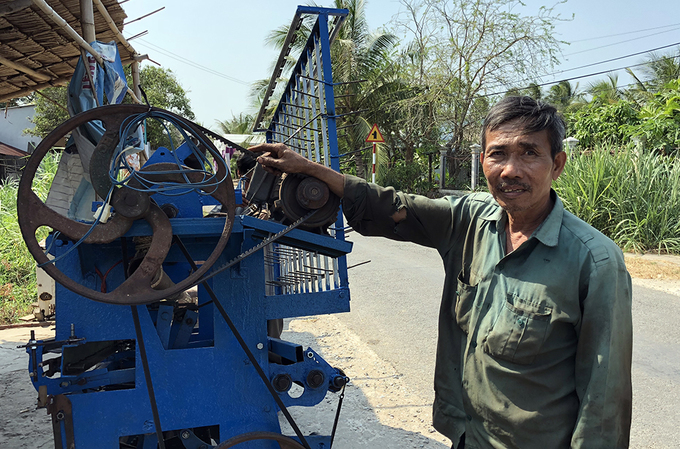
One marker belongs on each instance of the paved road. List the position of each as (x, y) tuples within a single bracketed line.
[(395, 303)]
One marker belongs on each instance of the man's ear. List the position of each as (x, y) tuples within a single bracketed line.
[(558, 164)]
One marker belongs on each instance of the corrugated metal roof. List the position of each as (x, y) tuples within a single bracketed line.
[(9, 150), (29, 38)]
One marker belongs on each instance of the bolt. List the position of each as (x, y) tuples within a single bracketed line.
[(185, 434), (310, 354), (282, 382), (60, 415), (63, 384), (315, 378), (260, 346)]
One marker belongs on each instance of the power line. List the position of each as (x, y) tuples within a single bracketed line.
[(621, 42), (190, 62), (582, 76), (601, 62), (628, 32)]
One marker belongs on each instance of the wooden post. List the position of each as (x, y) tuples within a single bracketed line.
[(135, 79), (87, 21), (442, 168)]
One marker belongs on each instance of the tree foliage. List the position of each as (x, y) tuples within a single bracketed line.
[(162, 88), (468, 48), (49, 113)]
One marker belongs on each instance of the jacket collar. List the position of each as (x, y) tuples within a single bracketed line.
[(547, 232)]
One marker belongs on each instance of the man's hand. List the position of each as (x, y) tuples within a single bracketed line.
[(277, 158)]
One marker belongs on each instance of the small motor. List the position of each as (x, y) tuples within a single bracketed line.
[(292, 196)]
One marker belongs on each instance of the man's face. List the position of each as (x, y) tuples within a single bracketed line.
[(519, 169)]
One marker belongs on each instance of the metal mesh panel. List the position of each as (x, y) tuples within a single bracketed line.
[(304, 120)]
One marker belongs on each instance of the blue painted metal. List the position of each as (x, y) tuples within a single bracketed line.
[(201, 377)]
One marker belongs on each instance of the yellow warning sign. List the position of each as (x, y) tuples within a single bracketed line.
[(375, 136)]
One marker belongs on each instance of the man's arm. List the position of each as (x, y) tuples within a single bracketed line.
[(603, 359), (278, 158)]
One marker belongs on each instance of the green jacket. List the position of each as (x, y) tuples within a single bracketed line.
[(534, 347)]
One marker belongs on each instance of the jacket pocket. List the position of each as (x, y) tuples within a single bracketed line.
[(462, 306), (519, 331)]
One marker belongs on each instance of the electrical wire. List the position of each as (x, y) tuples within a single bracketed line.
[(579, 77), (626, 33), (621, 42), (189, 62), (207, 184)]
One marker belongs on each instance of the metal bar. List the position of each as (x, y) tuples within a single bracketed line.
[(244, 346), (143, 17), (294, 26), (304, 93), (322, 100)]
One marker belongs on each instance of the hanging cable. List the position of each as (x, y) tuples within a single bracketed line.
[(122, 173)]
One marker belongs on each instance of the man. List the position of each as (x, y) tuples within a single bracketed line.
[(535, 332)]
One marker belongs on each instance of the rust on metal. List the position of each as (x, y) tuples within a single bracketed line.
[(33, 213)]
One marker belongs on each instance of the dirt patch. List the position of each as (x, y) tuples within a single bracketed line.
[(651, 266)]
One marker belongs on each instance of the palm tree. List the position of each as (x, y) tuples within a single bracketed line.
[(565, 97), (357, 55), (659, 71), (607, 90), (242, 124)]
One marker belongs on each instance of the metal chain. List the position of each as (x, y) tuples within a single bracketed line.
[(257, 247)]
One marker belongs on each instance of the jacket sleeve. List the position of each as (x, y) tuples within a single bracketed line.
[(603, 358), (369, 209)]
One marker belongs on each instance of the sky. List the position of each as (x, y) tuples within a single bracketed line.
[(216, 48)]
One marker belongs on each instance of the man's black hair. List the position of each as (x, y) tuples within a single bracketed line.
[(530, 114), (245, 162)]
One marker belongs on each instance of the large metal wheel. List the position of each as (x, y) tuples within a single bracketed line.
[(284, 441), (130, 205)]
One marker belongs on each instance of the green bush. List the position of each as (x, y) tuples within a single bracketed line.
[(18, 288), (407, 177), (632, 197)]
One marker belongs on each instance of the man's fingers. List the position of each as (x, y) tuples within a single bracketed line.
[(274, 148)]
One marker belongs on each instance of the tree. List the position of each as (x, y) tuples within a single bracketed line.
[(656, 74), (469, 48), (603, 123), (565, 97), (50, 111), (357, 55), (243, 124), (607, 90), (163, 90)]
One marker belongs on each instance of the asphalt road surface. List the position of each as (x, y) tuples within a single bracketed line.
[(395, 303)]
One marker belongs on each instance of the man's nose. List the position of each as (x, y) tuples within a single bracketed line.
[(513, 168)]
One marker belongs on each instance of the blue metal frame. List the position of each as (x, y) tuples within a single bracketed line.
[(201, 376), (305, 120)]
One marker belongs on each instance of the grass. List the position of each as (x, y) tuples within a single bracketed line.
[(18, 288), (632, 197)]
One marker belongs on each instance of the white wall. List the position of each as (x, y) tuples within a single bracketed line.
[(13, 122)]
